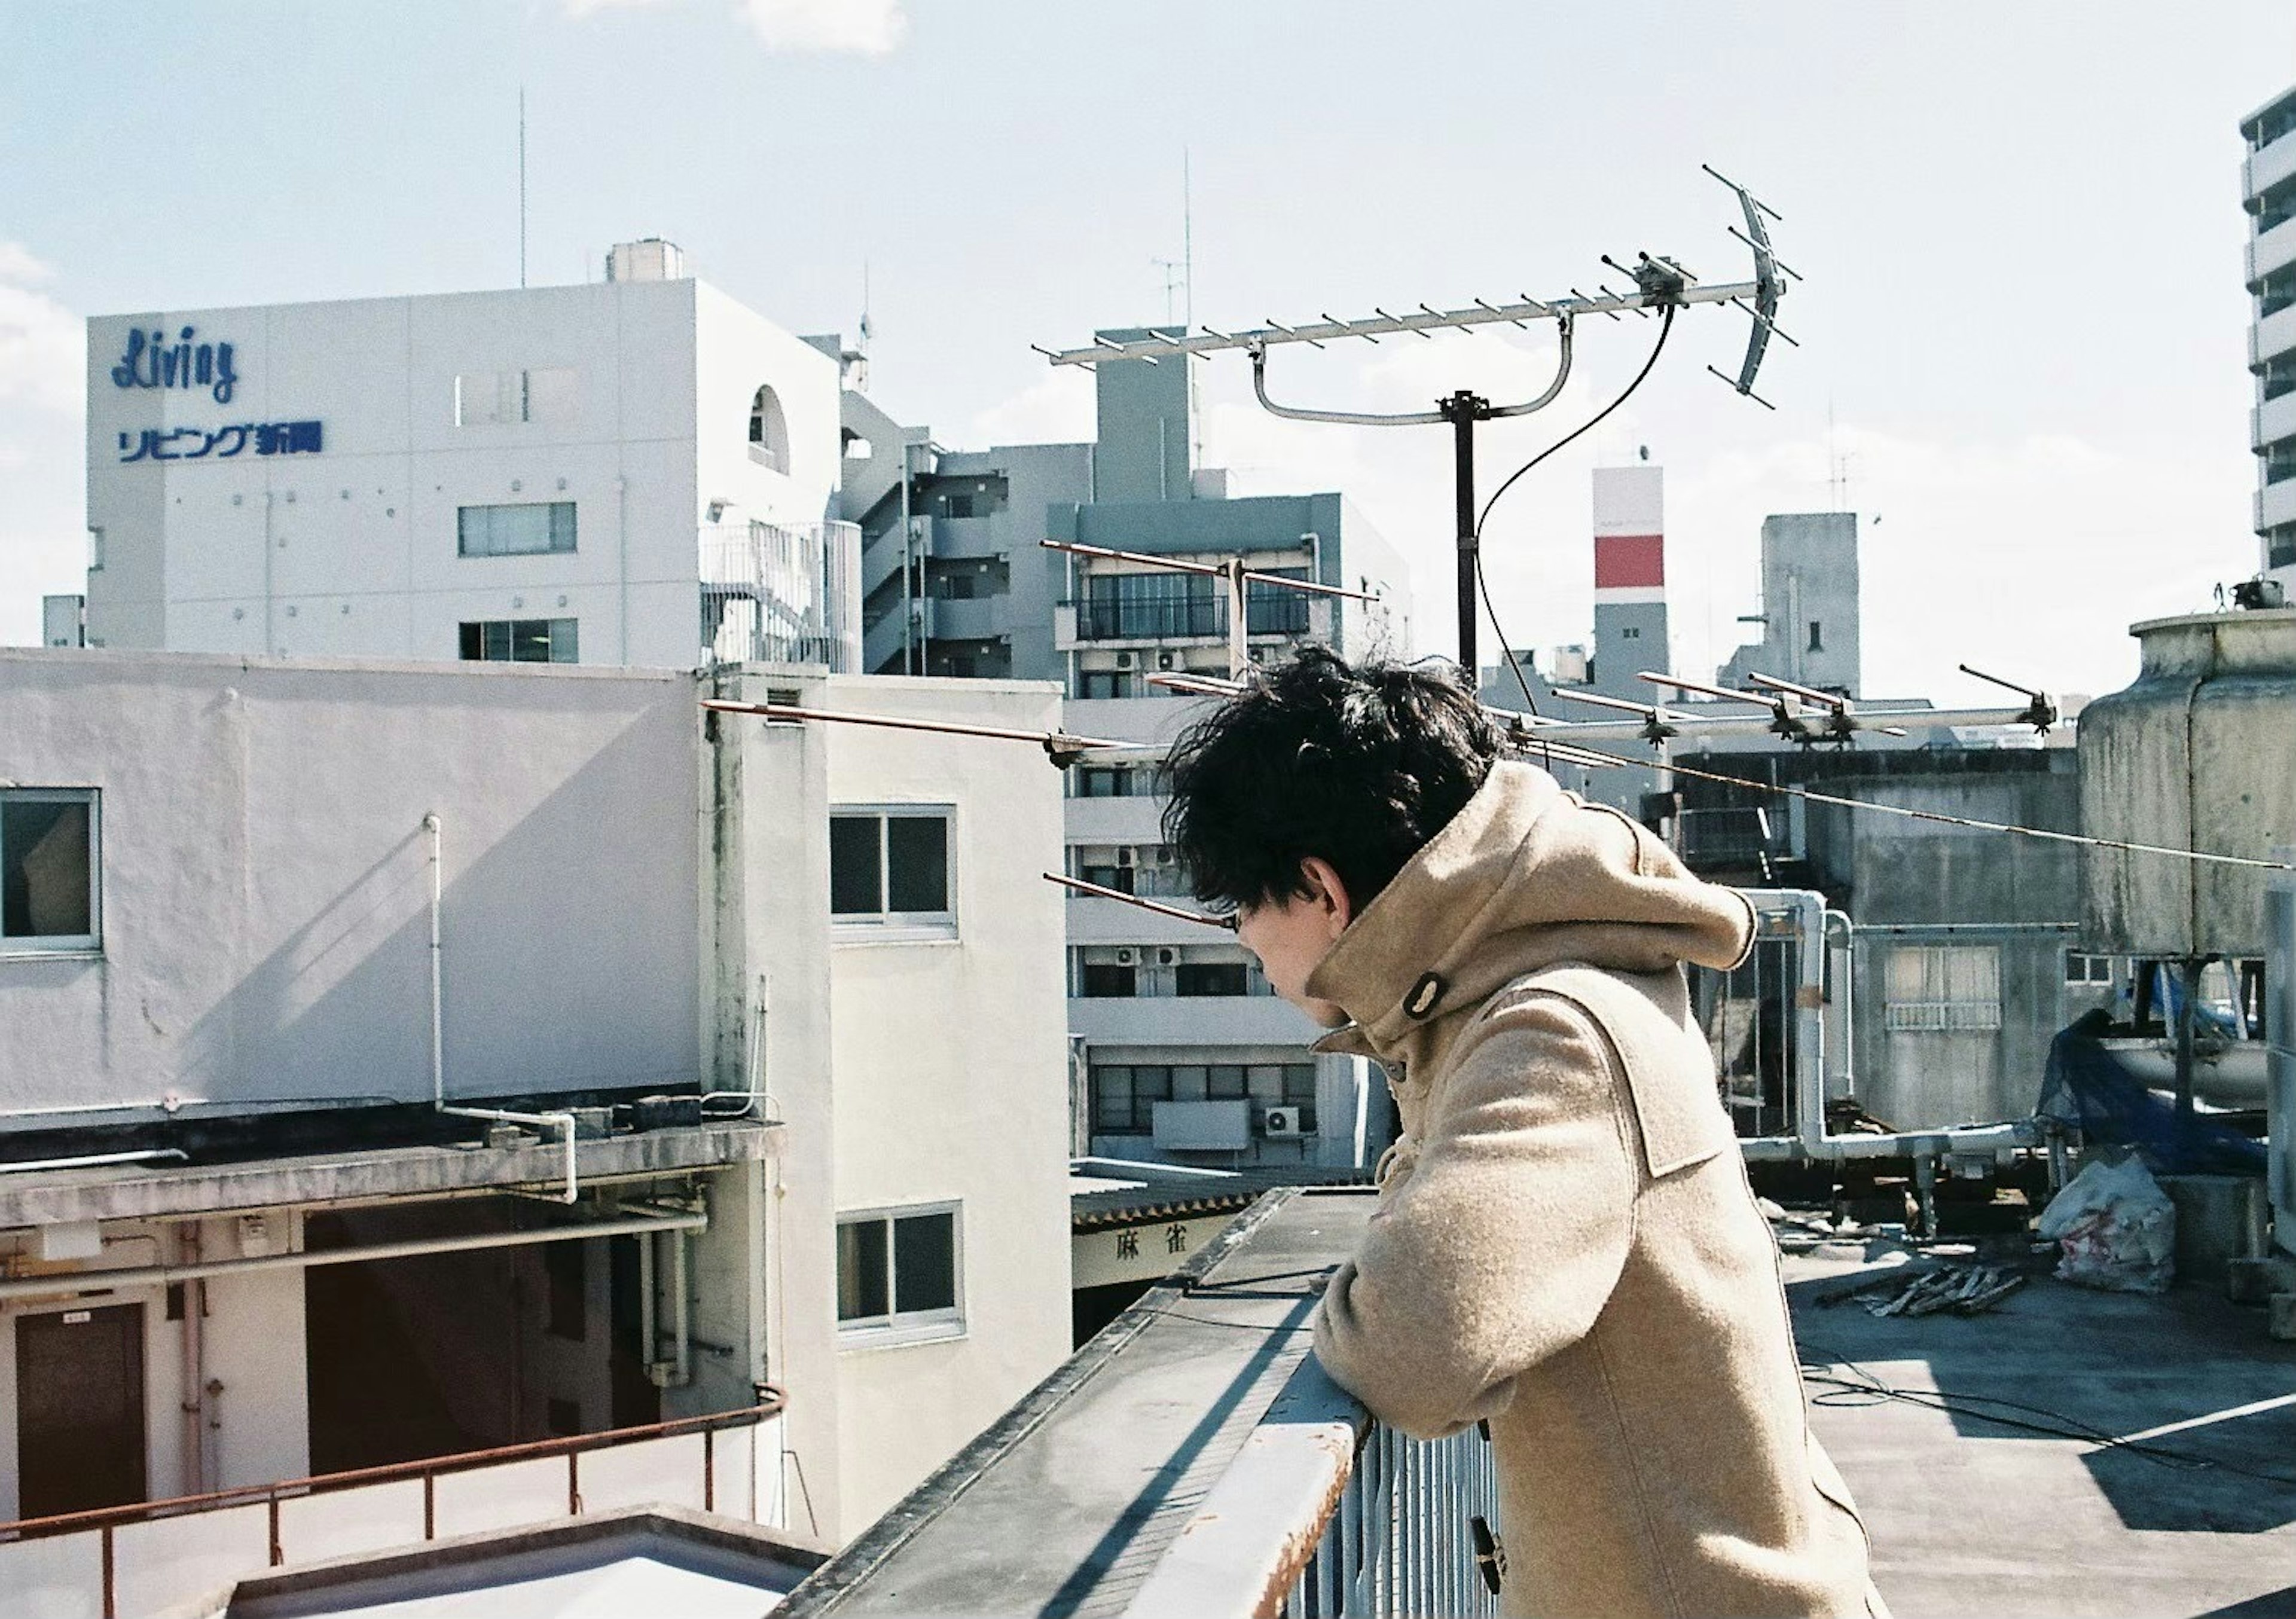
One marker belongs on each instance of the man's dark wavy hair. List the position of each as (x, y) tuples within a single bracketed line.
[(1360, 766)]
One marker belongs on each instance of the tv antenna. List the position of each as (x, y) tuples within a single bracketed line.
[(1660, 283)]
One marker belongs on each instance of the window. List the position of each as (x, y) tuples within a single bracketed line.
[(488, 398), (956, 505), (890, 868), (1103, 781), (49, 874), (1270, 610), (535, 529), (1104, 683), (1123, 1097), (1109, 981), (1816, 636), (1211, 978), (2081, 968), (521, 640), (898, 1273), (1119, 878), (1145, 606), (1633, 632), (1943, 988), (770, 442)]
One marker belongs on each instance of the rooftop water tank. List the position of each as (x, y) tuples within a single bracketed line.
[(2198, 754), (652, 259)]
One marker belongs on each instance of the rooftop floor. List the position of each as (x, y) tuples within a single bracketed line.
[(1970, 1515)]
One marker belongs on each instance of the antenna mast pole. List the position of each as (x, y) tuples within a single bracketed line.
[(522, 185)]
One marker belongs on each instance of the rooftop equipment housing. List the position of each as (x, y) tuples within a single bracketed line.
[(2199, 753)]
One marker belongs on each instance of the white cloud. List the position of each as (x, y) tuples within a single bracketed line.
[(871, 27), (868, 27), (42, 345), (19, 267), (1056, 408)]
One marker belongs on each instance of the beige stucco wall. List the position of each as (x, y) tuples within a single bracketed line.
[(950, 1065)]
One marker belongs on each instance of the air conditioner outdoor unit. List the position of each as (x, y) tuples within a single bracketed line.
[(1125, 857), (1281, 1122), (1127, 957), (1125, 660), (1164, 660), (1166, 957)]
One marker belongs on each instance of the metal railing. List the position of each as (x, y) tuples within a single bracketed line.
[(781, 592), (1327, 1512), (153, 1555)]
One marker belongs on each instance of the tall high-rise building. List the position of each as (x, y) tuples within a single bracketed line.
[(2268, 191), (1630, 632)]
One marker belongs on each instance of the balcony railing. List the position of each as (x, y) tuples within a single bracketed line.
[(1382, 1514), (156, 1555), (1192, 1460), (782, 593)]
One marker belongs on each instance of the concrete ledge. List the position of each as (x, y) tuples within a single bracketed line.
[(143, 1192)]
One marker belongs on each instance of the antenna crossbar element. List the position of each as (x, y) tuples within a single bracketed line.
[(1330, 329), (2041, 714), (1212, 569), (1174, 912), (1062, 749)]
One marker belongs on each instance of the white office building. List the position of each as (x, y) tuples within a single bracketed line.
[(2268, 193), (638, 471)]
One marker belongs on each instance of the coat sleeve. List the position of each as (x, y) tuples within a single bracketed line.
[(1505, 1241)]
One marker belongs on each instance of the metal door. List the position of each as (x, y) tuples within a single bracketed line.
[(80, 1409)]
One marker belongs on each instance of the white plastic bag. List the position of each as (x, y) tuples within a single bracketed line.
[(2116, 1229)]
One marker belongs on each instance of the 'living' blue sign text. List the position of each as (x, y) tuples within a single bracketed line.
[(152, 361)]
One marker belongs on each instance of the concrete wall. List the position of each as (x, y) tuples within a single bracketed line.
[(1144, 451), (952, 1078), (1809, 574), (766, 923), (1909, 883), (266, 883)]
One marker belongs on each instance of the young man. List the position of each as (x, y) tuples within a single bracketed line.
[(1564, 1242)]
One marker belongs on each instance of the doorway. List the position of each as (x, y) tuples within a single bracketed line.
[(79, 1410)]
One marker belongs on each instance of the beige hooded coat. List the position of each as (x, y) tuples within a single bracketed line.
[(1565, 1242)]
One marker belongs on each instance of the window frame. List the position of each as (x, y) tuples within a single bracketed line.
[(885, 926), (550, 508), (898, 1329), (51, 946)]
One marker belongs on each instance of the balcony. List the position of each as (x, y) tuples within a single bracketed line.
[(2271, 337), (2268, 168), (2274, 249), (2275, 503), (1189, 1020), (164, 1556), (2272, 421), (1192, 1460)]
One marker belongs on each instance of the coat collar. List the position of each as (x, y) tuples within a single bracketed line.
[(1524, 877)]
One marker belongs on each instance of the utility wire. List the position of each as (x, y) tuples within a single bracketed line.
[(1808, 795), (1940, 817)]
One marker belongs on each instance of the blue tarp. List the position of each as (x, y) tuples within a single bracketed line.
[(2088, 1087)]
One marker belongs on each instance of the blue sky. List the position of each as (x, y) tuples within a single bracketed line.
[(2024, 327)]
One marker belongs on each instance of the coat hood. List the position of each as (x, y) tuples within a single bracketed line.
[(1524, 877)]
